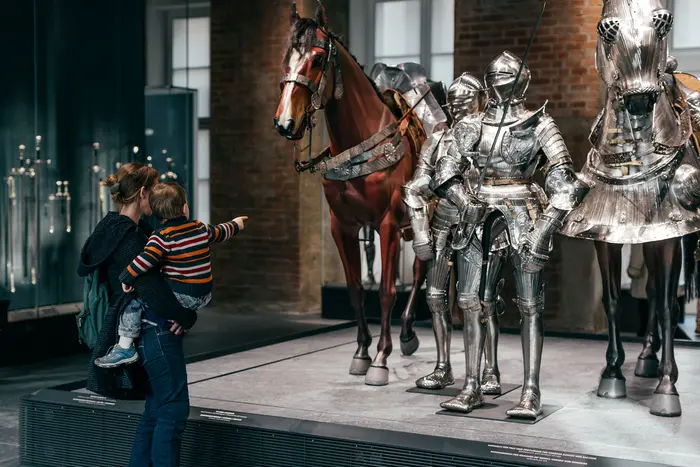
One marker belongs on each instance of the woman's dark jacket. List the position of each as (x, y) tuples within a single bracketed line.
[(116, 241)]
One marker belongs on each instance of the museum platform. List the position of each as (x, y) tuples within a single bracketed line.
[(294, 404)]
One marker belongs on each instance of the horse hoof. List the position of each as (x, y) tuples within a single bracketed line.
[(665, 405), (410, 346), (359, 366), (612, 388), (377, 376), (647, 368)]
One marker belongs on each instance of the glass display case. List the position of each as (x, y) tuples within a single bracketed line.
[(171, 129), (62, 130)]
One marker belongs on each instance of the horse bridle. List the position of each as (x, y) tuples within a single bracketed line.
[(318, 90)]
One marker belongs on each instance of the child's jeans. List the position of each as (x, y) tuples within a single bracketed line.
[(130, 320)]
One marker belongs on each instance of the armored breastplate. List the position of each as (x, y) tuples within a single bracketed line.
[(515, 152)]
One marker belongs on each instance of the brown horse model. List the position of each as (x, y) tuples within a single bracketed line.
[(372, 153)]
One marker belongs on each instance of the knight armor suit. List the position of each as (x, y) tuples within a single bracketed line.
[(433, 237), (519, 219)]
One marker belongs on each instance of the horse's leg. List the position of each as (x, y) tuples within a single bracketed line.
[(612, 382), (347, 241), (663, 261), (469, 269), (390, 238), (493, 305), (647, 362), (438, 281), (409, 339)]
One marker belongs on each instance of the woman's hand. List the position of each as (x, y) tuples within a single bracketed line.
[(177, 329), (240, 221), (127, 288)]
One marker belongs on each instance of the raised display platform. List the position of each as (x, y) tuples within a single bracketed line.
[(294, 404), (336, 305)]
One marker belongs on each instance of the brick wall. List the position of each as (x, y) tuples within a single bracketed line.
[(276, 259), (251, 171), (562, 62)]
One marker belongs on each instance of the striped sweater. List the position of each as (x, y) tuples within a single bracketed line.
[(181, 250)]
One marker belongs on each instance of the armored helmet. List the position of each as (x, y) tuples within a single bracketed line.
[(500, 77), (465, 96)]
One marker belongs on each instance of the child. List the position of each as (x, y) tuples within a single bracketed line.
[(181, 250)]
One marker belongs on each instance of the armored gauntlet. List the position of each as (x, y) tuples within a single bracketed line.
[(535, 246), (471, 208), (422, 238)]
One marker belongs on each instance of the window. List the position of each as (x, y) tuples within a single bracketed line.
[(397, 31), (202, 183), (190, 68), (684, 42), (420, 31), (191, 59), (442, 41), (396, 25)]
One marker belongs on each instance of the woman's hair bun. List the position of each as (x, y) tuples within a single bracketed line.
[(128, 182), (111, 181), (114, 187)]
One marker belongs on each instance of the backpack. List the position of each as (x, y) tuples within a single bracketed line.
[(95, 306)]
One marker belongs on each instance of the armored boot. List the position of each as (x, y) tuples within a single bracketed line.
[(438, 278), (442, 376), (531, 330), (471, 396), (491, 378)]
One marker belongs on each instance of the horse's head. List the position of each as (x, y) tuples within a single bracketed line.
[(631, 55), (310, 64)]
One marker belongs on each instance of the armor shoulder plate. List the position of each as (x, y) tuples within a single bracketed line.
[(429, 150), (530, 122), (466, 133)]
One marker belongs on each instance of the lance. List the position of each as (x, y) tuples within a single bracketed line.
[(462, 238)]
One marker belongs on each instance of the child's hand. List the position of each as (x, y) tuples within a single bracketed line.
[(240, 221), (127, 288)]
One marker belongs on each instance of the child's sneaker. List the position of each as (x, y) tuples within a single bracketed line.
[(118, 356)]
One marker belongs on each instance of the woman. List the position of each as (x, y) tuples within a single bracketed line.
[(116, 241)]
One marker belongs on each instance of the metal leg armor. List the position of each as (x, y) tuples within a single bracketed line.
[(437, 284), (530, 290), (493, 307), (478, 322)]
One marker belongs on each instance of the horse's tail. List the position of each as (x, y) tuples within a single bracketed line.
[(690, 266)]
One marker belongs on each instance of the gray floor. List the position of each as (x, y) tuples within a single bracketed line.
[(308, 379), (216, 331)]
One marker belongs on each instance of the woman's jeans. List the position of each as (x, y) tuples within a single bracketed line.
[(159, 433)]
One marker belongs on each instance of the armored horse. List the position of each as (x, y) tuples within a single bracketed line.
[(375, 138), (644, 176)]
